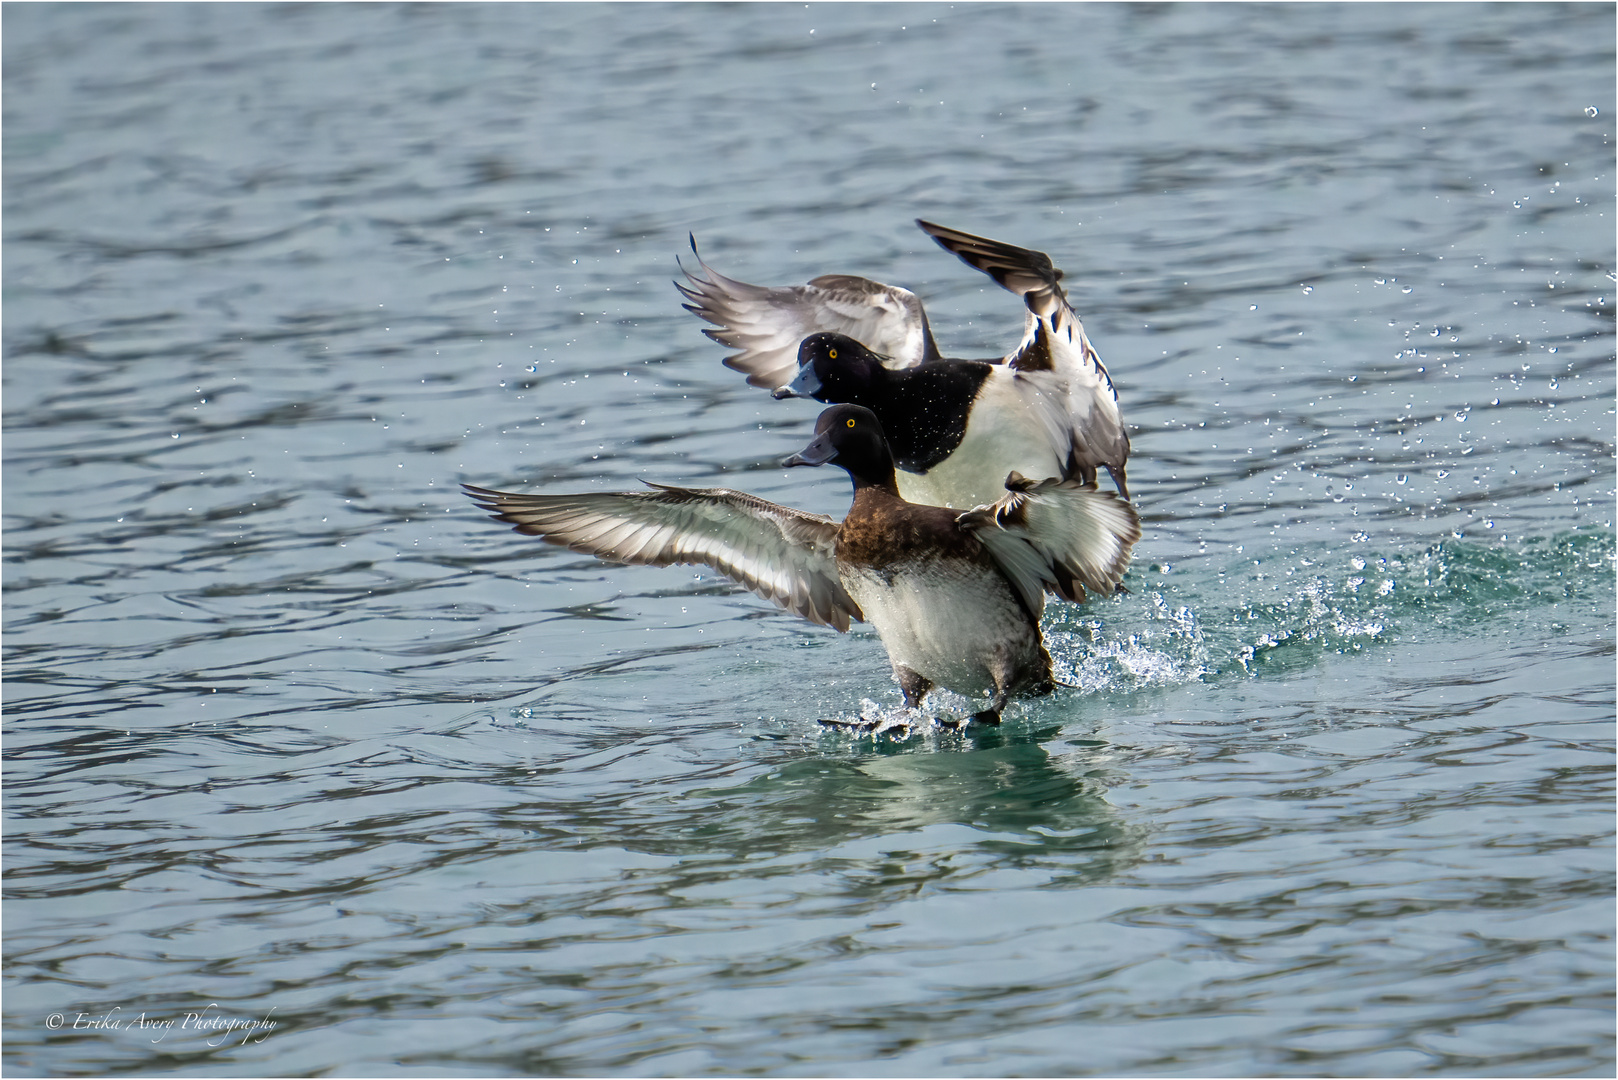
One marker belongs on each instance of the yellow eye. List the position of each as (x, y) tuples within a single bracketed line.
[(851, 423), (832, 353)]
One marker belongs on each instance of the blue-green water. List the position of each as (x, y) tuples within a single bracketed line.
[(292, 731)]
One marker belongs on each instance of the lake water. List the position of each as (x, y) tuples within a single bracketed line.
[(296, 736)]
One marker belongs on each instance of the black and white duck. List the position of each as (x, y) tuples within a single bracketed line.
[(1046, 409)]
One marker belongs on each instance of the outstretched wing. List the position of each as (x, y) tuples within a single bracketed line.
[(1053, 340), (1057, 535), (767, 324), (784, 555)]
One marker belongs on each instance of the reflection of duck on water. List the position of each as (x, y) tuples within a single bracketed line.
[(942, 814), (956, 597)]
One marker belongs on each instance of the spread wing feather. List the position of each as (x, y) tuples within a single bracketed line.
[(784, 555), (767, 324), (1059, 535), (1053, 340)]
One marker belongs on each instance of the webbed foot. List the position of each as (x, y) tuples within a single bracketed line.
[(865, 725), (862, 726)]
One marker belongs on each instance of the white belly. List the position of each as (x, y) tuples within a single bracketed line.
[(946, 627), (1004, 433)]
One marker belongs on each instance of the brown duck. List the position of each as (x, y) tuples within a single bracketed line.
[(956, 597)]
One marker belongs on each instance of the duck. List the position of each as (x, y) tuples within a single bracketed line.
[(1048, 408), (955, 596)]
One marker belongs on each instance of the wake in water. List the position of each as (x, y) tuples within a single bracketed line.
[(1274, 613), (1246, 617)]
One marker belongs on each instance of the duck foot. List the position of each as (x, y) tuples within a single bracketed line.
[(956, 723), (869, 726)]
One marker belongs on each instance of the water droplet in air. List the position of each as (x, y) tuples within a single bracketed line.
[(1400, 479), (1405, 290), (1553, 384), (1307, 289), (1591, 111)]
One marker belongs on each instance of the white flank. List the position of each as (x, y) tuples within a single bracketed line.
[(1009, 429), (945, 626)]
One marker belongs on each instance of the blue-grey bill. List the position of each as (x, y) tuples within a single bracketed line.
[(807, 384), (816, 453)]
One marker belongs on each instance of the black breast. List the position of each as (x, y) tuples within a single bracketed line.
[(924, 410)]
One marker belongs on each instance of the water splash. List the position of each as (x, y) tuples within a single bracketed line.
[(1245, 617)]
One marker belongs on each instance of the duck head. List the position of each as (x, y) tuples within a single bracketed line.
[(833, 367), (850, 437)]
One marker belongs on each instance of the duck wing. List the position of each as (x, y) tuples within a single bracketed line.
[(1059, 535), (1053, 341), (767, 323), (786, 556)]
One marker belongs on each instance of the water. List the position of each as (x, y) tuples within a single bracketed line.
[(294, 732)]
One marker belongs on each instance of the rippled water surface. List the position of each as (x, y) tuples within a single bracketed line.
[(292, 731)]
